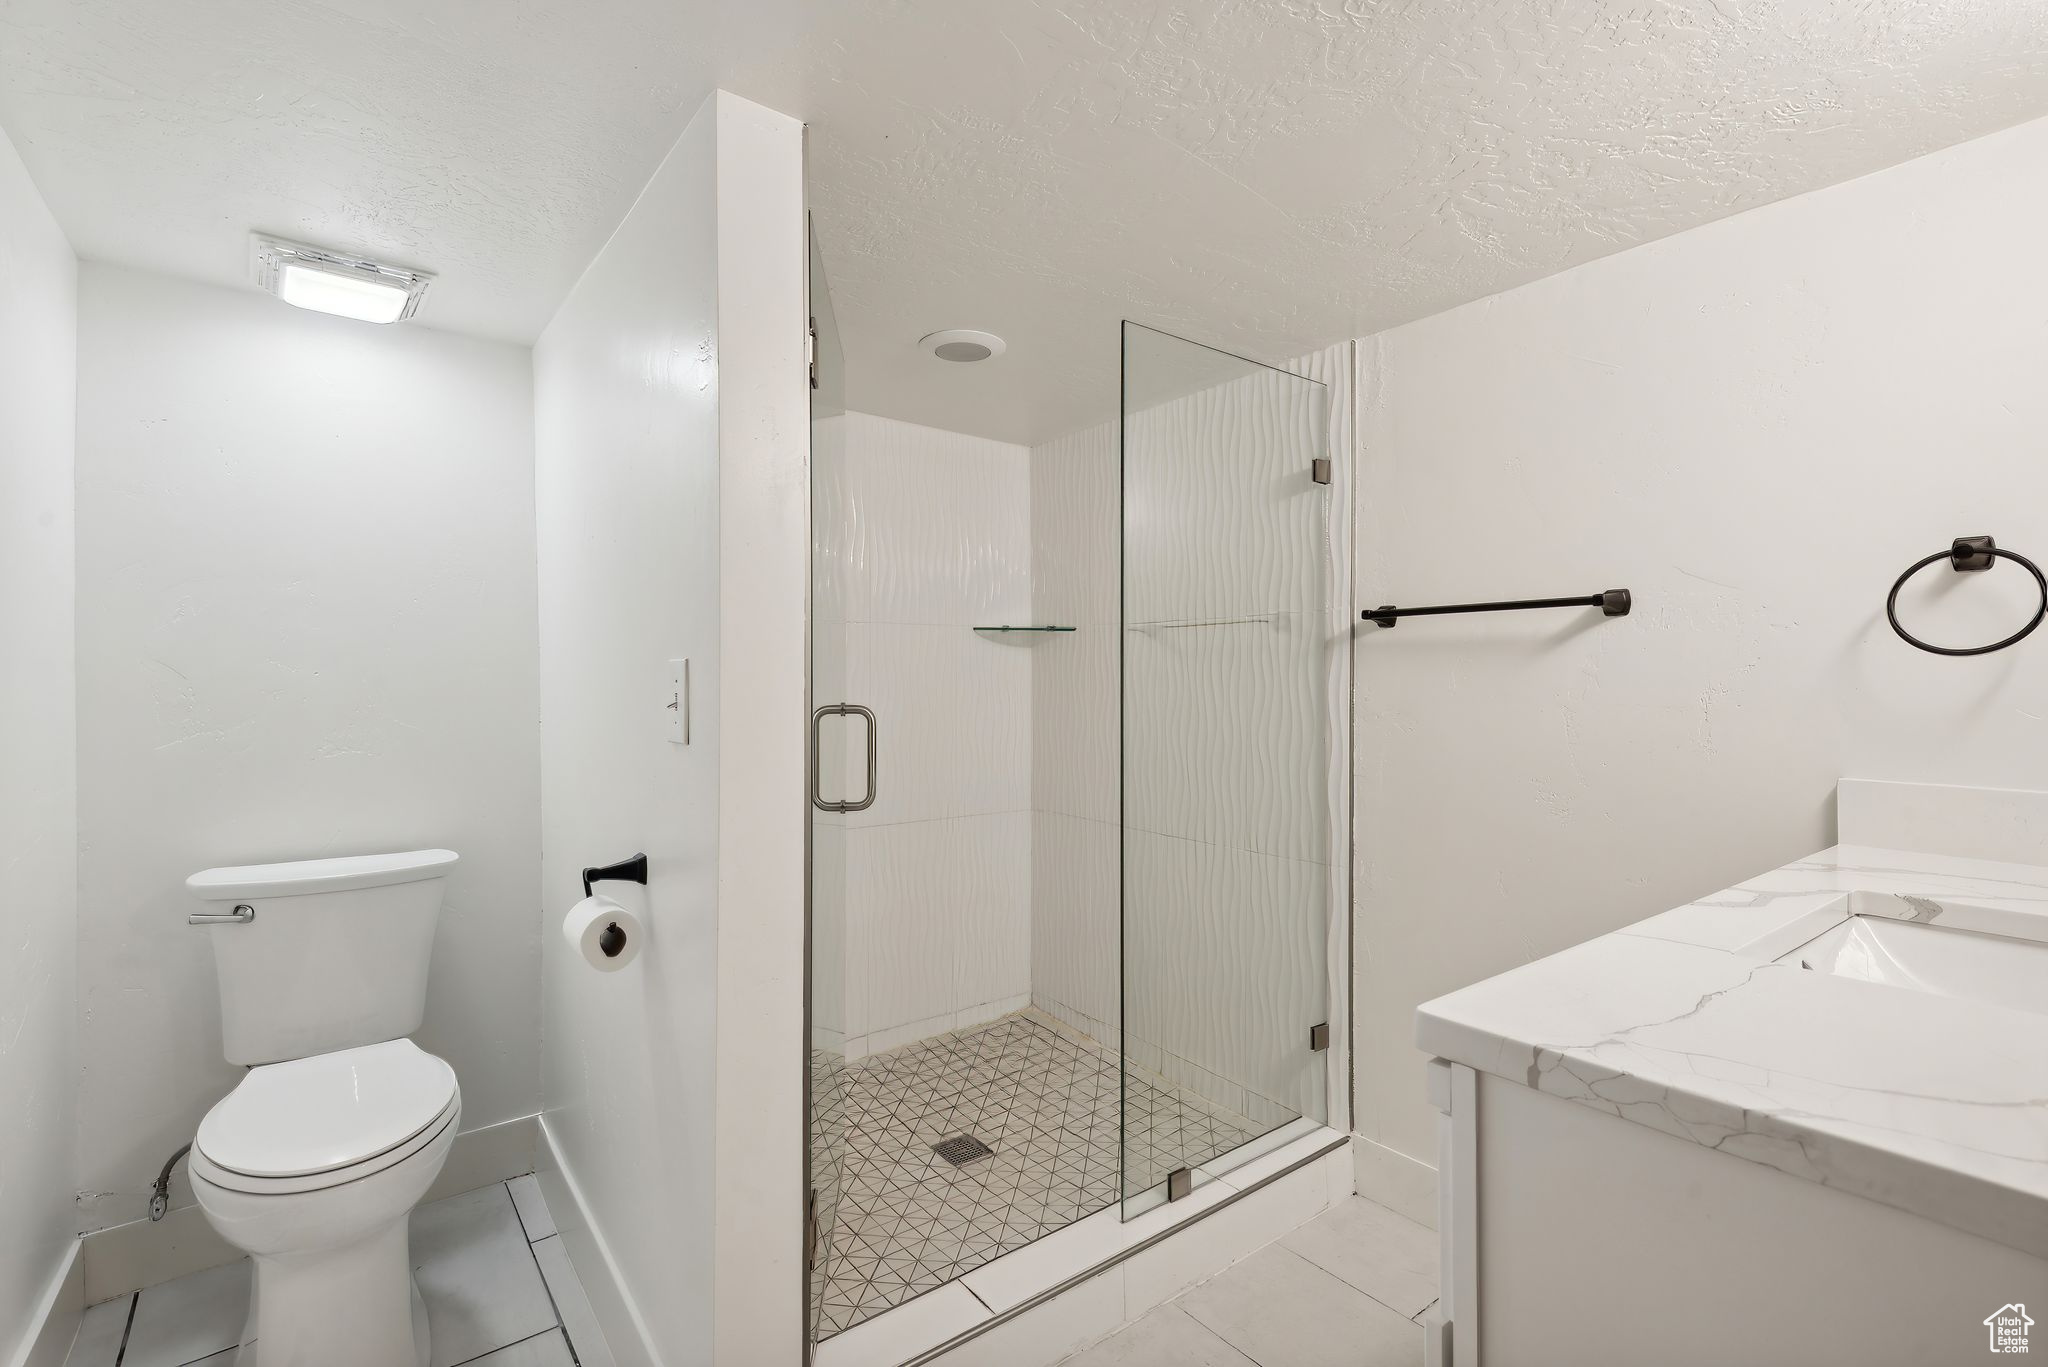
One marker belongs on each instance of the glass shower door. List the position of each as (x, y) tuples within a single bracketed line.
[(829, 777), (1227, 724)]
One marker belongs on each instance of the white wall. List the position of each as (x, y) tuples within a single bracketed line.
[(670, 440), (935, 530), (1755, 426), (763, 598), (306, 627), (626, 442), (39, 772)]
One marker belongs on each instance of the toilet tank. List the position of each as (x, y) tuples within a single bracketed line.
[(329, 954)]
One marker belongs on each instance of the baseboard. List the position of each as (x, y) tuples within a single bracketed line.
[(625, 1332), (1404, 1185), (881, 1041), (495, 1153), (48, 1341), (143, 1253)]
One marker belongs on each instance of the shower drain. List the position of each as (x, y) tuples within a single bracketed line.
[(961, 1149)]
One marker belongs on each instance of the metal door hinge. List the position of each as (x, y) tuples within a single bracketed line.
[(1319, 470), (811, 1230), (811, 350), (1319, 1037)]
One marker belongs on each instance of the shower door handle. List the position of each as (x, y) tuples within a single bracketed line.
[(842, 709)]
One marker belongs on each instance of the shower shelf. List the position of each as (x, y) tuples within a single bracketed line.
[(1008, 628)]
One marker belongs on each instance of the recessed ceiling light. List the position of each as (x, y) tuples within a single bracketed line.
[(334, 282), (962, 344)]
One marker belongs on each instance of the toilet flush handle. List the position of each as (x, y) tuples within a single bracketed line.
[(242, 914)]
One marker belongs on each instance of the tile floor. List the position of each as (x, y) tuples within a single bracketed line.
[(497, 1283), (1043, 1098), (1348, 1289)]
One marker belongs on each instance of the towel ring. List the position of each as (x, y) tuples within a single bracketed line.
[(1969, 554)]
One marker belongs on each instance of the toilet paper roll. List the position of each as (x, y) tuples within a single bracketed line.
[(603, 932)]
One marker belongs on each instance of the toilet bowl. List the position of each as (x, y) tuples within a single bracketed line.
[(313, 1167)]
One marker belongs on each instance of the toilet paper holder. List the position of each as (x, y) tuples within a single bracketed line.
[(633, 870)]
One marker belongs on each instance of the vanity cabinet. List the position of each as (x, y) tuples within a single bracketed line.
[(1573, 1238)]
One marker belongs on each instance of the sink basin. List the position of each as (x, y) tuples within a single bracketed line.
[(1944, 960)]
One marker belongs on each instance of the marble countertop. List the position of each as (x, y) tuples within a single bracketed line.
[(1682, 1023)]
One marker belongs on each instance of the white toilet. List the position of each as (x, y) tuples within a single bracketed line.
[(314, 1163)]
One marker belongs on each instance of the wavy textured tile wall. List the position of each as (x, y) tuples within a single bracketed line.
[(940, 525), (1074, 732), (988, 867), (926, 536), (1235, 789)]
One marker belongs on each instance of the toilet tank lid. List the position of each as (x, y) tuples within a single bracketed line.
[(304, 876)]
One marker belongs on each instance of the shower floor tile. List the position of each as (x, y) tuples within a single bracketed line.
[(1043, 1099)]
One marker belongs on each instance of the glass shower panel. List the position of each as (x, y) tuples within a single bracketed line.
[(1226, 805)]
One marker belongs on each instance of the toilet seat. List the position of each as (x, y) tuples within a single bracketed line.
[(312, 1123)]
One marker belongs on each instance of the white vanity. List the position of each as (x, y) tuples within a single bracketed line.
[(1802, 1121)]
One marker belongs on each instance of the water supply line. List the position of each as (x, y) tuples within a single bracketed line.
[(160, 1196)]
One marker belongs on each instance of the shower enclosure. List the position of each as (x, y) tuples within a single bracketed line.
[(1074, 808)]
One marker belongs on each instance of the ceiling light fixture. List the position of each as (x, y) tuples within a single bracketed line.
[(962, 344), (334, 282)]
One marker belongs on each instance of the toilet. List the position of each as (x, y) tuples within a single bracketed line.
[(313, 1164)]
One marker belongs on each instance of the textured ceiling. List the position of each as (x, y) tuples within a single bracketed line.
[(1266, 175)]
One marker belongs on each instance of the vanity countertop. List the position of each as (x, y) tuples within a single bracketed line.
[(1931, 1104)]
